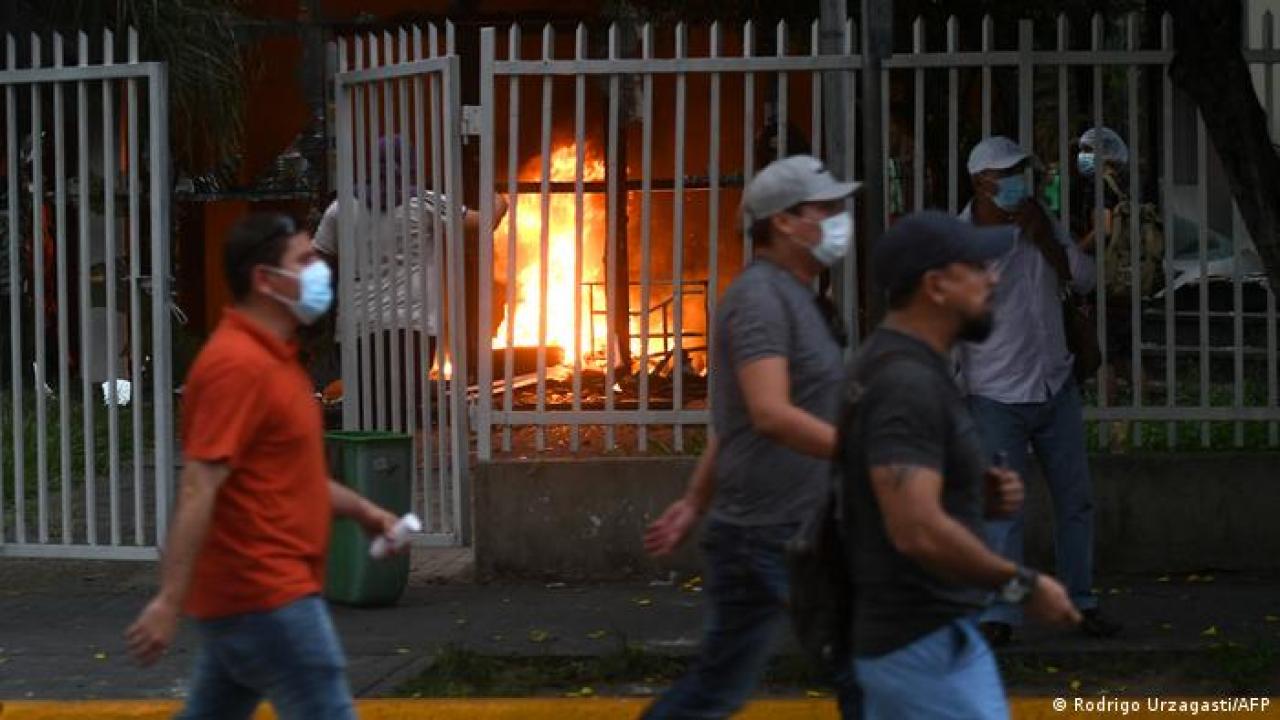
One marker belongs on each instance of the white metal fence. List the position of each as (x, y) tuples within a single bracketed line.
[(400, 260), (624, 162), (1199, 348), (86, 238), (696, 116)]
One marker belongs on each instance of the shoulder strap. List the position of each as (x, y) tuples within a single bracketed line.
[(1115, 187), (1050, 248)]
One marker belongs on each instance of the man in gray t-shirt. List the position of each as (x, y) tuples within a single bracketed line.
[(767, 312), (775, 369)]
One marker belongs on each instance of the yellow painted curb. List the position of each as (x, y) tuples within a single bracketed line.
[(593, 708)]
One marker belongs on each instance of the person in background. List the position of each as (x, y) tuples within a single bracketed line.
[(776, 364), (920, 485), (1103, 155), (246, 549), (1103, 159), (1020, 381), (399, 304)]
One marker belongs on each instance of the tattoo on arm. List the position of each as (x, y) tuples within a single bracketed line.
[(901, 474)]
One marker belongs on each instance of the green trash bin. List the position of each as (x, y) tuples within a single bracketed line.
[(378, 466)]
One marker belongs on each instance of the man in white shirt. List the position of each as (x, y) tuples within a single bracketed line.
[(1020, 381)]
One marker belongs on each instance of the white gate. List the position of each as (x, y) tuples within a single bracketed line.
[(87, 451), (566, 260), (401, 286)]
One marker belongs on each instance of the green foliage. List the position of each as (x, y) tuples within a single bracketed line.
[(196, 38), (75, 435)]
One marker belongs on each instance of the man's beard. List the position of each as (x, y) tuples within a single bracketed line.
[(977, 329)]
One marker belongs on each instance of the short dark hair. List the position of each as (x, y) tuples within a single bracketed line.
[(899, 297), (259, 239), (761, 232)]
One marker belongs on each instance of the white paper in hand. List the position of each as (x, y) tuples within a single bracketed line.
[(381, 547)]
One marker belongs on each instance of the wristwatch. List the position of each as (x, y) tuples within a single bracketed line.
[(1018, 589)]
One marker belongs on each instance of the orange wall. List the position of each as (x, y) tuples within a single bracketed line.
[(276, 112), (349, 10), (276, 109), (218, 219)]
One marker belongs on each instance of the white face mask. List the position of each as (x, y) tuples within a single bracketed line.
[(837, 231)]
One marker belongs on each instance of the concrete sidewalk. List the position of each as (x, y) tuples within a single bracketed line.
[(61, 624)]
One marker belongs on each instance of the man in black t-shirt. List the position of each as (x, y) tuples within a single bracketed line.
[(920, 486)]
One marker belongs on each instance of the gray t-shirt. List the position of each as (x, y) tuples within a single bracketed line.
[(911, 413), (769, 312)]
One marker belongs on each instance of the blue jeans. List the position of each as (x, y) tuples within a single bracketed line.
[(290, 656), (747, 591), (947, 674), (1056, 430)]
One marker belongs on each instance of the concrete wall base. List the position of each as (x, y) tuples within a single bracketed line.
[(1157, 513)]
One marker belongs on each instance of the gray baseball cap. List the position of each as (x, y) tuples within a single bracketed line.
[(995, 153), (788, 182)]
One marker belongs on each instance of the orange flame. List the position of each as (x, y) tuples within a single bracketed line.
[(562, 255)]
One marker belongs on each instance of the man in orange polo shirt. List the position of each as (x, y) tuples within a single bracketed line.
[(246, 549)]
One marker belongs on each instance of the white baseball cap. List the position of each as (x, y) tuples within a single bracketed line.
[(995, 153)]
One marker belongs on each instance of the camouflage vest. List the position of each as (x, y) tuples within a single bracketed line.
[(1119, 269)]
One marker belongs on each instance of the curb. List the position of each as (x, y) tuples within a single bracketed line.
[(593, 708)]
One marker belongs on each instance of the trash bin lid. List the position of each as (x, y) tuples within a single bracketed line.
[(365, 436)]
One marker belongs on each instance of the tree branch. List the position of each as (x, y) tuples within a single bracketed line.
[(1209, 66)]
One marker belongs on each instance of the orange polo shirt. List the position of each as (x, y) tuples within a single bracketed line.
[(249, 404)]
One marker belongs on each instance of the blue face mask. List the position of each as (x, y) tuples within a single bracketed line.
[(1011, 191), (315, 291), (1085, 163)]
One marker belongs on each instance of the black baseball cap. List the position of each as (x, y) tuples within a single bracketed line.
[(932, 239)]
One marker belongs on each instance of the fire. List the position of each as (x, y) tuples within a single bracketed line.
[(562, 252)]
